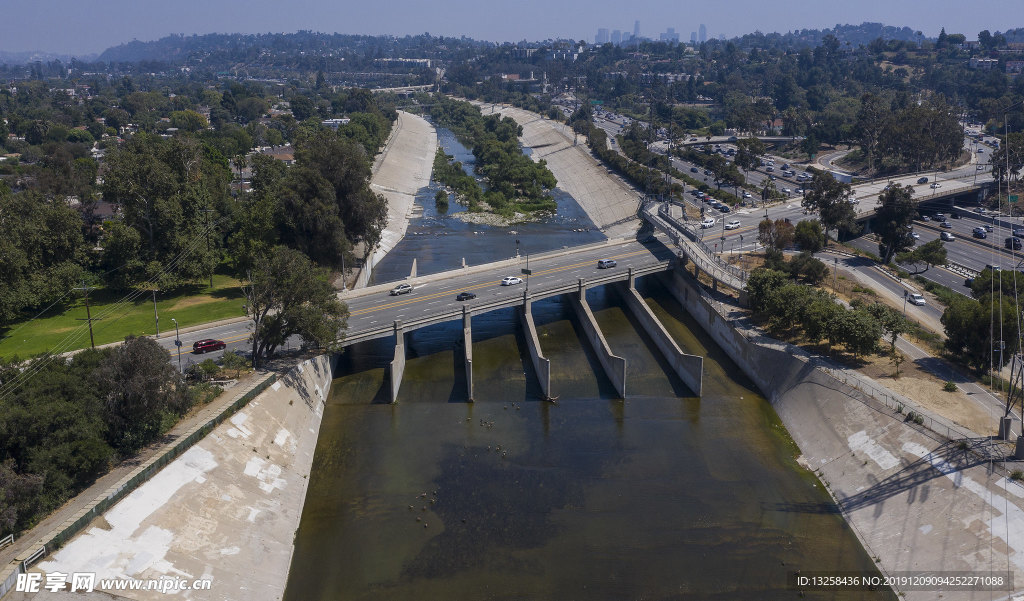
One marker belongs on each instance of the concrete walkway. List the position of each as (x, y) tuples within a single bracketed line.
[(609, 201), (225, 511)]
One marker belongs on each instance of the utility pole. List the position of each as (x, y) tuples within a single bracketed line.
[(177, 343), (156, 317), (88, 314)]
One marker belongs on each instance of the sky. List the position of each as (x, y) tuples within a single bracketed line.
[(82, 27)]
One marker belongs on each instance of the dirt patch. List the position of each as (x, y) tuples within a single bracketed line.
[(926, 390), (193, 301), (748, 262)]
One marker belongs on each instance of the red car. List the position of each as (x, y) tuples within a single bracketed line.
[(207, 345)]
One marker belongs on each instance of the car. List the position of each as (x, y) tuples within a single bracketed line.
[(968, 282), (1012, 243), (925, 218), (991, 267), (916, 299), (511, 281), (206, 345), (1018, 232), (769, 169), (979, 232), (853, 200), (694, 170), (988, 228), (707, 222), (948, 237), (732, 225), (800, 190), (400, 289), (922, 180), (936, 185), (465, 296), (724, 208), (787, 191), (915, 235), (940, 217), (946, 225), (606, 263), (771, 177), (980, 150), (746, 195), (979, 167)]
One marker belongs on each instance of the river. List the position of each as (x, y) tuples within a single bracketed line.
[(662, 495)]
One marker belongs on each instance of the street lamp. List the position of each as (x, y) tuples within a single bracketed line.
[(835, 274), (177, 341), (905, 295)]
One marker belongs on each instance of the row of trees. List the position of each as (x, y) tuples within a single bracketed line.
[(896, 134), (64, 425), (791, 308), (514, 182)]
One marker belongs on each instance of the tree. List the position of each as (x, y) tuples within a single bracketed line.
[(860, 332), (232, 360), (776, 235), (894, 215), (140, 386), (891, 321), (288, 296), (931, 253), (809, 236), (762, 285), (805, 265), (829, 198), (1010, 170), (188, 120)]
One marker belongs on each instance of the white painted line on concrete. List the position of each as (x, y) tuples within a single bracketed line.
[(860, 441)]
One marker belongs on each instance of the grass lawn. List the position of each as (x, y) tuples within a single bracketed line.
[(66, 325)]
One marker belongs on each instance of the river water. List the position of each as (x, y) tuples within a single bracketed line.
[(440, 242), (660, 496)]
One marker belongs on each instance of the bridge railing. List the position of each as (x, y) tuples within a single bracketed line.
[(704, 258), (456, 313)]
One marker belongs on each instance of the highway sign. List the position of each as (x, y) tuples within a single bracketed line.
[(527, 271), (1014, 197), (177, 343)]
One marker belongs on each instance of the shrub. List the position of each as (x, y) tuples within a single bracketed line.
[(949, 386)]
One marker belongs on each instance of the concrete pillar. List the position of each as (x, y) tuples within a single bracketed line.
[(614, 367), (541, 365), (689, 368), (467, 343), (398, 363), (1018, 453), (1005, 425), (412, 273), (632, 278)]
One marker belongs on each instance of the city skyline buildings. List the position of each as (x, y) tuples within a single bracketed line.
[(618, 37)]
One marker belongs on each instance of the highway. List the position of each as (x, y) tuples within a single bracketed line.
[(436, 293)]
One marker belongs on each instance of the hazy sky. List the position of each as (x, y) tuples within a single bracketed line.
[(82, 26)]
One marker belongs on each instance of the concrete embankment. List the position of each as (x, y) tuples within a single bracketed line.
[(918, 501), (609, 202), (401, 172), (226, 510), (614, 366)]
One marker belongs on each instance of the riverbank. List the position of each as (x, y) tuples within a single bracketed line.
[(403, 168), (609, 202), (226, 510), (917, 500)]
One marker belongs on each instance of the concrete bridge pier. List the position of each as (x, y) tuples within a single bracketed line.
[(614, 367), (467, 344), (541, 365), (397, 368), (689, 368)]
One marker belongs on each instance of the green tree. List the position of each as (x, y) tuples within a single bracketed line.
[(892, 221), (140, 386), (762, 285), (288, 296), (776, 234), (809, 235), (188, 121), (931, 253), (830, 199)]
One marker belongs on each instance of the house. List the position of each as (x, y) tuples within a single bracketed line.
[(983, 64)]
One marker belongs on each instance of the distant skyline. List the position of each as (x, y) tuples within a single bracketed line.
[(80, 28)]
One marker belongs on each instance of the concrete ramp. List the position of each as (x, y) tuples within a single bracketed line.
[(541, 365), (614, 366), (689, 368)]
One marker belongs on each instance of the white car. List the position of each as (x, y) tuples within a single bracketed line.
[(511, 281), (916, 299), (732, 225), (947, 237), (915, 235), (936, 185), (746, 195), (707, 222), (787, 191)]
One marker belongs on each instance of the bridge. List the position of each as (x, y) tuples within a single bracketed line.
[(570, 272)]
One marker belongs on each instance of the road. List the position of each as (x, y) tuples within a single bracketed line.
[(436, 293)]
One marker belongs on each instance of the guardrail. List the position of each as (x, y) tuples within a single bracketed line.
[(456, 313), (7, 540), (705, 259)]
